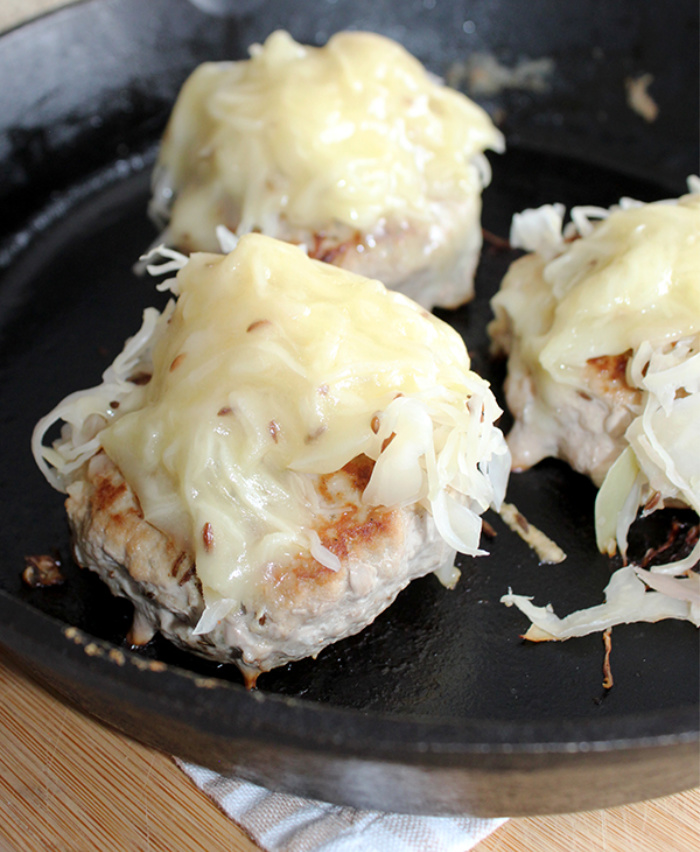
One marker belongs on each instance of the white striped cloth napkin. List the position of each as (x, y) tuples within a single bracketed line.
[(279, 822)]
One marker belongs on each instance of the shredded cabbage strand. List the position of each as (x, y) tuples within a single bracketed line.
[(85, 413), (627, 600), (662, 457)]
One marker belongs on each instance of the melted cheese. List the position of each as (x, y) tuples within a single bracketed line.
[(352, 133), (273, 368), (634, 278)]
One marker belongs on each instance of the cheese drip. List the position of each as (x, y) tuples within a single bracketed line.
[(352, 133), (273, 368)]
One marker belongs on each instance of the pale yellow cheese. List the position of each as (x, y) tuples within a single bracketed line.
[(355, 133), (274, 367), (633, 279)]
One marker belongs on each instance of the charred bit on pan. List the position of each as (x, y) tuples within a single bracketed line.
[(116, 656), (206, 682), (688, 541), (42, 571), (487, 529), (148, 665), (607, 671), (494, 242)]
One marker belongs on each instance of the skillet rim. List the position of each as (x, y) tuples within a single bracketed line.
[(398, 738)]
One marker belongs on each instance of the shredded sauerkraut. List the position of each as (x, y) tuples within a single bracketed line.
[(624, 280), (353, 133), (267, 370), (631, 595)]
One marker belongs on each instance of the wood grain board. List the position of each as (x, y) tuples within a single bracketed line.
[(68, 783)]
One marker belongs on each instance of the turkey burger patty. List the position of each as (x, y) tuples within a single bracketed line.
[(275, 455)]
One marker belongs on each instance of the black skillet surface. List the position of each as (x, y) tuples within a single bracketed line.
[(438, 706)]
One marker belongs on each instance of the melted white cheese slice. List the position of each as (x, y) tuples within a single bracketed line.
[(634, 278), (351, 133), (273, 368)]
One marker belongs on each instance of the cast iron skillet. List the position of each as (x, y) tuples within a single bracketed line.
[(438, 707)]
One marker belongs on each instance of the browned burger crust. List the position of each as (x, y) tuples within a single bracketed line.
[(298, 607)]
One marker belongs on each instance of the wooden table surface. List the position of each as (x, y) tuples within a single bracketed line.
[(68, 783)]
